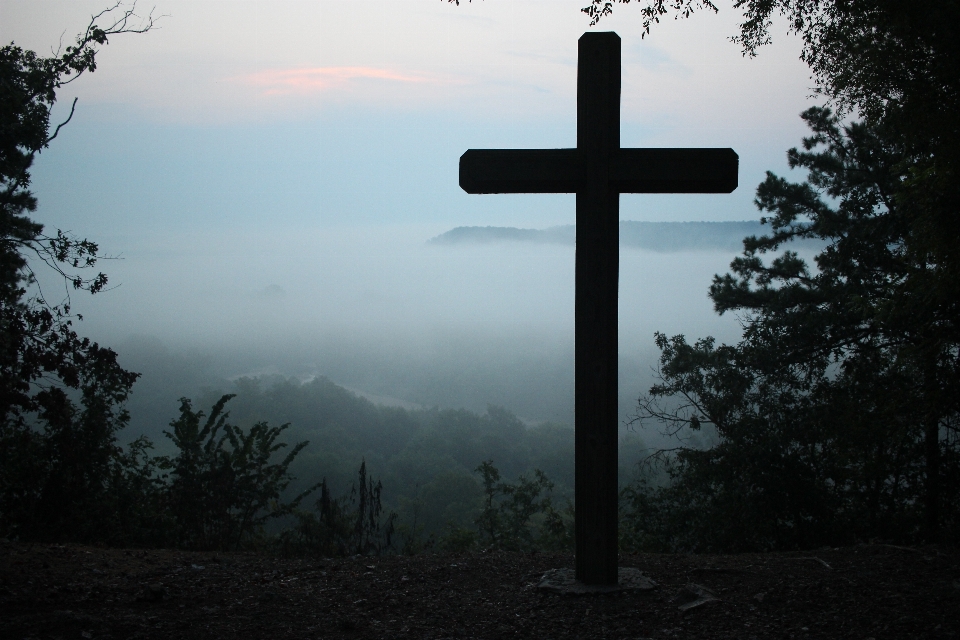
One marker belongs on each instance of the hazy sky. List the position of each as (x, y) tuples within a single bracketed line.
[(333, 113), (277, 166)]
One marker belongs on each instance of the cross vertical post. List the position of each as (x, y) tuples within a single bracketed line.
[(597, 272)]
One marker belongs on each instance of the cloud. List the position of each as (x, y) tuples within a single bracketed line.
[(314, 79)]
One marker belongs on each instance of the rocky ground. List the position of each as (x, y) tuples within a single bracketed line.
[(869, 591)]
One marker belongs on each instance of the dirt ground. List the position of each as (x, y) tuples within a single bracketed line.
[(869, 591)]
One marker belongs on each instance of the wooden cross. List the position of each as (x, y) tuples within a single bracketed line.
[(598, 171)]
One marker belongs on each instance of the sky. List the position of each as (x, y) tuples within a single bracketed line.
[(269, 172), (346, 113)]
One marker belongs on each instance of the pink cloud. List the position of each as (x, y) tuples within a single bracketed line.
[(313, 79)]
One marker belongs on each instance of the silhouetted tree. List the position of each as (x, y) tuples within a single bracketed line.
[(351, 524), (224, 486), (56, 459), (837, 413)]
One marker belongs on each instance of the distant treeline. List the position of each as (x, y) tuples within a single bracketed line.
[(651, 236)]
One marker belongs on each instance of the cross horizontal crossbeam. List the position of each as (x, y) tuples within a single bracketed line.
[(631, 171)]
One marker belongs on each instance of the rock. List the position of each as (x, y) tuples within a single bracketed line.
[(564, 581), (693, 595)]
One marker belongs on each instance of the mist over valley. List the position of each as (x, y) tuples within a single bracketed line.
[(386, 314)]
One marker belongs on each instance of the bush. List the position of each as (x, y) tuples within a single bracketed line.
[(519, 516), (224, 487), (349, 525)]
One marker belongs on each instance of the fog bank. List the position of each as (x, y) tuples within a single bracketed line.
[(384, 312)]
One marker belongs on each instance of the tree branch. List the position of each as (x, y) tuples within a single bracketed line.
[(73, 108)]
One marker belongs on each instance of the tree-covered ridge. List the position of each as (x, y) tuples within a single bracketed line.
[(426, 458), (663, 237)]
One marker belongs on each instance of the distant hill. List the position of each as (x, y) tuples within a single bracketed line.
[(652, 236)]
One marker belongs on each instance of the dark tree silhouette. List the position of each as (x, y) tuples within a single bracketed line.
[(55, 457), (837, 413)]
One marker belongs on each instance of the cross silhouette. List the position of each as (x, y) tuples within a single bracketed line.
[(598, 171)]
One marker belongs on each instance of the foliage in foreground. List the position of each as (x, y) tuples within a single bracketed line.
[(350, 525), (516, 516), (224, 487), (520, 516), (77, 484)]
